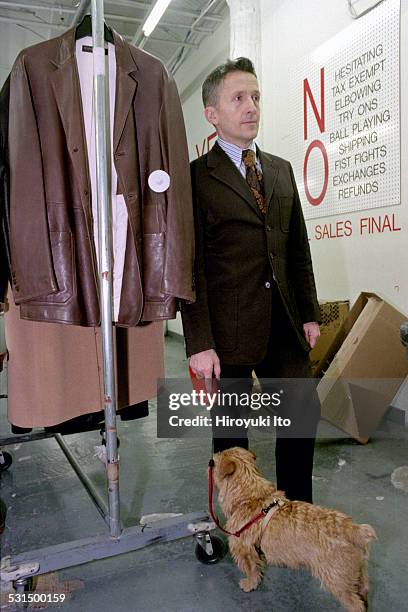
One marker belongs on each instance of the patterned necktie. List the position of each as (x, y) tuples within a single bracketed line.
[(254, 178)]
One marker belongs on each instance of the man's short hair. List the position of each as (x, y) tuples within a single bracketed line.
[(216, 77)]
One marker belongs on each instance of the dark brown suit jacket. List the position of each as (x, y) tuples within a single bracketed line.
[(239, 251), (53, 257)]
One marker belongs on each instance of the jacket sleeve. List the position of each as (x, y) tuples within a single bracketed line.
[(4, 190), (301, 268), (177, 277), (29, 235), (196, 318)]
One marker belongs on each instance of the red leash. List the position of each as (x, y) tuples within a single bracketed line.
[(214, 517)]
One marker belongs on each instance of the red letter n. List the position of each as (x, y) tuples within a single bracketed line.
[(307, 94)]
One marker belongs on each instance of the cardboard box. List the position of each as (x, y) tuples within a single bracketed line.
[(332, 316), (366, 364)]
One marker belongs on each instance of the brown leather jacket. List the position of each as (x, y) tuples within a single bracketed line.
[(53, 260)]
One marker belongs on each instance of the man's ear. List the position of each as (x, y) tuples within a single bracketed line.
[(226, 467), (210, 113)]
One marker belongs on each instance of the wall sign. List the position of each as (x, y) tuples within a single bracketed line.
[(345, 116)]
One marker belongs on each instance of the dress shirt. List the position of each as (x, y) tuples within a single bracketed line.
[(235, 154)]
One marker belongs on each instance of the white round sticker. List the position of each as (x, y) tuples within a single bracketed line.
[(159, 181)]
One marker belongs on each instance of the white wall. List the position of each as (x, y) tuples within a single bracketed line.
[(14, 38), (190, 78)]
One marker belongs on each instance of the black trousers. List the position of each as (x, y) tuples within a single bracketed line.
[(285, 359)]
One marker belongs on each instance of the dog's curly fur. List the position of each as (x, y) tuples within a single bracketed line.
[(298, 535)]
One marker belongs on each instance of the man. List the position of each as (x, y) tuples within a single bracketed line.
[(256, 305)]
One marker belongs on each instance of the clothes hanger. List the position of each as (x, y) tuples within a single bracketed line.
[(85, 29)]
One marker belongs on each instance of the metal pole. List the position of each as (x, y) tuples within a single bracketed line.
[(105, 264)]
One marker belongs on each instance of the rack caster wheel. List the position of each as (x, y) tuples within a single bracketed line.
[(209, 549), (23, 585), (5, 461)]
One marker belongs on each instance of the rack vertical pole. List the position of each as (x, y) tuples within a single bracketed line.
[(105, 263)]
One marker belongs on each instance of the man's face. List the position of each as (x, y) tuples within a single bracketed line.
[(236, 113)]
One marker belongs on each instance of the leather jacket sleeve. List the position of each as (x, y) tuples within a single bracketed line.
[(28, 218), (179, 246)]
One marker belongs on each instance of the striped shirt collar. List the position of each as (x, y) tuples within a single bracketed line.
[(233, 151), (235, 154)]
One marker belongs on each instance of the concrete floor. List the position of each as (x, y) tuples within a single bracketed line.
[(46, 505)]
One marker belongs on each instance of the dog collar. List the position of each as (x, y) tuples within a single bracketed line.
[(265, 513)]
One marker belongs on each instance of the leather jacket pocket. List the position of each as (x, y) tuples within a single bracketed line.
[(153, 265), (62, 249)]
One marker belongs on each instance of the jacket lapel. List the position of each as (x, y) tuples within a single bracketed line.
[(126, 85), (67, 91), (66, 87), (222, 168), (270, 174)]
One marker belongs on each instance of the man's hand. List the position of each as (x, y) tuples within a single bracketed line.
[(205, 363), (312, 332)]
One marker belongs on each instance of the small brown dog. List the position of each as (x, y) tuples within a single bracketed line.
[(294, 534)]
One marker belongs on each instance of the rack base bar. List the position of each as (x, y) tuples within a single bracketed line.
[(27, 437), (70, 554)]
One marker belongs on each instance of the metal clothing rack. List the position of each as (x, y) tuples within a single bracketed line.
[(22, 567)]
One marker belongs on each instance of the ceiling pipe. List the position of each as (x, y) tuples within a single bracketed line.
[(109, 16), (81, 11)]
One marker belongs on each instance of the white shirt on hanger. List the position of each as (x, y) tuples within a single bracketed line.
[(119, 214)]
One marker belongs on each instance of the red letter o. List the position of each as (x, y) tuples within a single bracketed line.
[(316, 201)]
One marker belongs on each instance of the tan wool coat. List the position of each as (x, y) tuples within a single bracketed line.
[(55, 370)]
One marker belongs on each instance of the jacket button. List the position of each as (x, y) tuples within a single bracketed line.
[(267, 285), (75, 149), (268, 228)]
